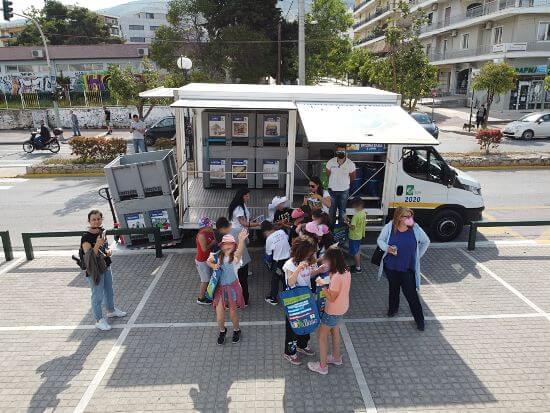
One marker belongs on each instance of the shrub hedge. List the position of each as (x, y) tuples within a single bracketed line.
[(97, 149)]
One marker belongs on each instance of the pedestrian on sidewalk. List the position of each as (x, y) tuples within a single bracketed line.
[(137, 127), (278, 249), (229, 293), (74, 123), (341, 171), (205, 241), (480, 116), (97, 258), (337, 304), (107, 114), (403, 243)]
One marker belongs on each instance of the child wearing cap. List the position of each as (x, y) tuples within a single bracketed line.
[(283, 213), (205, 241), (228, 293), (276, 246), (356, 232)]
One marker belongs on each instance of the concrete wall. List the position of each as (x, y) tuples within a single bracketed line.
[(92, 118)]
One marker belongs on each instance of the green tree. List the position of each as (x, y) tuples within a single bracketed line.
[(126, 85), (547, 82), (328, 48), (63, 25), (359, 65), (496, 79)]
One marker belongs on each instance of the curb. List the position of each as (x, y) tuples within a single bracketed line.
[(69, 175), (500, 167)]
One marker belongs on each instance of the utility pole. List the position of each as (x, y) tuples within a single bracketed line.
[(279, 56), (301, 42), (49, 64)]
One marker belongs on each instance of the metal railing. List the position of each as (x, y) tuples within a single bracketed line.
[(378, 12), (6, 244), (476, 224), (368, 38), (28, 236), (486, 49)]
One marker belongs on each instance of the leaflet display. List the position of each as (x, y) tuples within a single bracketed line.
[(217, 169), (270, 170), (216, 126), (159, 219), (136, 220), (239, 126), (239, 168), (272, 126)]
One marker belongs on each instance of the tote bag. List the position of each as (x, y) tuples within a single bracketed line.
[(301, 310), (214, 280)]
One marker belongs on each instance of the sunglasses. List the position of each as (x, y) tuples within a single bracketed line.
[(312, 186)]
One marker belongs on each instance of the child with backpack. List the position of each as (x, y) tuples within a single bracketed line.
[(337, 304), (205, 241), (228, 293), (278, 249)]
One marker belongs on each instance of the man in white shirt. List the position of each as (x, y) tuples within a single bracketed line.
[(341, 171), (137, 128), (278, 248)]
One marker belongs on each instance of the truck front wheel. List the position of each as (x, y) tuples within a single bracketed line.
[(447, 225)]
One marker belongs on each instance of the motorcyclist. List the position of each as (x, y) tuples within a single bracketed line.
[(45, 135)]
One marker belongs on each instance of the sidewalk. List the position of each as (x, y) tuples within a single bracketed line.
[(485, 347)]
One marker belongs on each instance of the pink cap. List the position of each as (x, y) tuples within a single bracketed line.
[(313, 228), (297, 213), (228, 239)]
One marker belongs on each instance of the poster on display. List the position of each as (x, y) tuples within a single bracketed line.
[(135, 220), (270, 169), (217, 168), (159, 219), (216, 126), (239, 167), (366, 148), (272, 126), (301, 309), (240, 126)]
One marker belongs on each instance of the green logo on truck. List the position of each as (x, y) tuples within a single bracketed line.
[(409, 190)]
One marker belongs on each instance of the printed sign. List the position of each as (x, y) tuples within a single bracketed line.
[(270, 169), (136, 220), (159, 219), (216, 126), (409, 190), (240, 126), (301, 309), (239, 168), (366, 148), (217, 168), (272, 126)]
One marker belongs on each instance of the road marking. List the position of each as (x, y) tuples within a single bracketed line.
[(446, 318), (357, 370), (518, 207), (12, 180), (506, 284), (5, 187), (96, 381)]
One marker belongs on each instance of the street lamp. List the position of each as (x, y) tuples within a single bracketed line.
[(185, 64)]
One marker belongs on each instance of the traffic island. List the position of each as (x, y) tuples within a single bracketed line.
[(498, 160)]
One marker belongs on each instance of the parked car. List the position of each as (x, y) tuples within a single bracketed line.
[(426, 122), (163, 128), (533, 125)]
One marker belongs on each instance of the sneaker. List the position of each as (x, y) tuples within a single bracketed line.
[(392, 313), (221, 337), (332, 360), (316, 367), (204, 301), (355, 270), (116, 313), (236, 336), (307, 351), (271, 300), (103, 325), (294, 360), (420, 326), (250, 273)]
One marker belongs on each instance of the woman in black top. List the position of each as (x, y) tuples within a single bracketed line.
[(97, 256)]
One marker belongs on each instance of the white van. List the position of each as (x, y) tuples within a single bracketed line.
[(273, 139)]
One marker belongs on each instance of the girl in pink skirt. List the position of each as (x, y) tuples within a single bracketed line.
[(229, 293)]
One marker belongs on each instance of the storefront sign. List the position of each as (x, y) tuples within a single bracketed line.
[(533, 70), (366, 148)]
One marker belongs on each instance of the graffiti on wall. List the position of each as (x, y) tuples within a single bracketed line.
[(41, 82), (96, 81)]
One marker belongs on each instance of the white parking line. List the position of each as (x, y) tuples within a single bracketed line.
[(92, 387)]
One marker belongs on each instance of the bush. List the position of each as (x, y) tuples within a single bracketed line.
[(97, 149), (163, 143), (488, 139)]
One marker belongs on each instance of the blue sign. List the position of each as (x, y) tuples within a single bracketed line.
[(367, 148)]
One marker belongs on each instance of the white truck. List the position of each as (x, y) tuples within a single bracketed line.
[(272, 139)]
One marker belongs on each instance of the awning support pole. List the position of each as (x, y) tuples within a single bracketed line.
[(291, 159)]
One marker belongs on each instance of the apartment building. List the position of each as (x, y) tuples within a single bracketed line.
[(460, 36), (10, 30)]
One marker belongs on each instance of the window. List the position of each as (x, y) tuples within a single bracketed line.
[(424, 163), (137, 39), (430, 18), (136, 27), (497, 35), (153, 28), (26, 68), (428, 49), (465, 40), (445, 42), (11, 69), (543, 34), (149, 15), (83, 67)]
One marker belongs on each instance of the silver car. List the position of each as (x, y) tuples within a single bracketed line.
[(533, 125)]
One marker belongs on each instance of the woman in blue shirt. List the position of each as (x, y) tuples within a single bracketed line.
[(403, 243)]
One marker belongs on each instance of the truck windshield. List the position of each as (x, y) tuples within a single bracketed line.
[(424, 163)]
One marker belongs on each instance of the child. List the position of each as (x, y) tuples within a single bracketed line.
[(298, 271), (205, 241), (337, 304), (228, 293), (276, 246), (356, 232), (282, 214)]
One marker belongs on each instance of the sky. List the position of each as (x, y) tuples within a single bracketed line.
[(21, 5)]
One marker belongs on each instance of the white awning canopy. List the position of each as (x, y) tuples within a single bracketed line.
[(361, 123), (159, 92), (233, 104)]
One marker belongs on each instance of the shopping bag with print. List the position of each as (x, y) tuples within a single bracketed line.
[(214, 280), (301, 309)]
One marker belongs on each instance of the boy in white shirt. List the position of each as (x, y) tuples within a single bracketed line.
[(278, 248)]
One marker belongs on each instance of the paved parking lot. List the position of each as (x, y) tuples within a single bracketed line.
[(486, 346)]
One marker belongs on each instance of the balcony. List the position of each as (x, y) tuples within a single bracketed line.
[(360, 5), (490, 49), (484, 10), (368, 38), (378, 12)]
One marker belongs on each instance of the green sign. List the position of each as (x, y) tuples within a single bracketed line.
[(533, 70), (409, 190)]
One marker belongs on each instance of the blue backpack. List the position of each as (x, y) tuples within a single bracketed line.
[(214, 280), (301, 309)]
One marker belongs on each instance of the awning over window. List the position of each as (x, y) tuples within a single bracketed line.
[(361, 123), (234, 104)]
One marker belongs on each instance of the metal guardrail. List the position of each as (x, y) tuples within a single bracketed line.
[(27, 237), (476, 224), (6, 243)]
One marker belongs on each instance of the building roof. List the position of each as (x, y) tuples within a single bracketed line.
[(95, 51)]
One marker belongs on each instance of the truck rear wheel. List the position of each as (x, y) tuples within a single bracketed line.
[(447, 225)]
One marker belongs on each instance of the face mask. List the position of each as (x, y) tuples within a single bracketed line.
[(340, 155), (409, 221)]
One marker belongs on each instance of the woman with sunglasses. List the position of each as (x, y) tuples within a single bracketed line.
[(318, 198), (404, 243)]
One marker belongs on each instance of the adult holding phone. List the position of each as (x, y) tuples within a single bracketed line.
[(404, 243), (137, 127), (97, 258), (341, 171), (238, 211), (317, 198)]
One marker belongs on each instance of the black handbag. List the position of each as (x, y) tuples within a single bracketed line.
[(377, 255)]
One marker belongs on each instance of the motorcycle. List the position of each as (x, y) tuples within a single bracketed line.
[(35, 142)]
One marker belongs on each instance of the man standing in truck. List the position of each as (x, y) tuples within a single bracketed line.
[(340, 171)]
